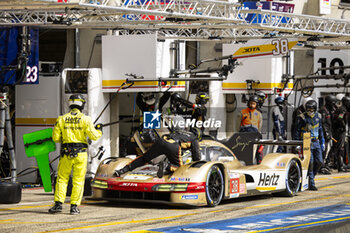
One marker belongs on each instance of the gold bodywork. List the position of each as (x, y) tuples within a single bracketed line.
[(234, 173)]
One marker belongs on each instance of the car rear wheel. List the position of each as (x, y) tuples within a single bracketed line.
[(293, 179), (214, 189)]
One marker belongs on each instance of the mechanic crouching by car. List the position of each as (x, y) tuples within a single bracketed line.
[(72, 130), (171, 146), (310, 121)]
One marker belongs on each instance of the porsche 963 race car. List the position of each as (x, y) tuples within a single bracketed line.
[(221, 174)]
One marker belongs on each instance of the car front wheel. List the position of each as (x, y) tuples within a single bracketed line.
[(214, 189)]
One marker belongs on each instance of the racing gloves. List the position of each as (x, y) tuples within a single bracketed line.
[(98, 127), (120, 172)]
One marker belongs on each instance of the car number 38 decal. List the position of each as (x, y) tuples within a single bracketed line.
[(234, 185)]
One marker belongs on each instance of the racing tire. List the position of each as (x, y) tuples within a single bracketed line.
[(10, 193), (214, 188), (293, 179)]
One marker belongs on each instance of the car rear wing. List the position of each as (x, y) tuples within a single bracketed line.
[(242, 145), (305, 144)]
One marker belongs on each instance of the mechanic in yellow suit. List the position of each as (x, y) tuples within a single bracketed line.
[(72, 130)]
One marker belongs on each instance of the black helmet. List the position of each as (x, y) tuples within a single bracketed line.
[(346, 102), (279, 100), (174, 98), (253, 98), (77, 101), (202, 98), (261, 96), (311, 107), (330, 100)]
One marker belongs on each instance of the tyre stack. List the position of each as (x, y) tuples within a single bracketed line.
[(10, 192)]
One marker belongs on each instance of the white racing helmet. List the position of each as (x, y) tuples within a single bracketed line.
[(149, 98), (305, 100), (339, 98)]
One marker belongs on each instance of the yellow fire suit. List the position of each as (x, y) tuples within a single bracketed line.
[(72, 130)]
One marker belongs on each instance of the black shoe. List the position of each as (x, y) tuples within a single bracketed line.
[(325, 171), (342, 170), (313, 188), (74, 209), (57, 208), (160, 172)]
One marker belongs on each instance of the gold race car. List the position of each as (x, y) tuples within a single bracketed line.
[(221, 174)]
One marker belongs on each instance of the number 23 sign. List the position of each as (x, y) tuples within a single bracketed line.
[(32, 74)]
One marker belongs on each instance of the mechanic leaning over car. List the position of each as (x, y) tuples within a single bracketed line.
[(171, 146), (310, 121), (340, 131), (327, 111), (279, 125), (72, 130)]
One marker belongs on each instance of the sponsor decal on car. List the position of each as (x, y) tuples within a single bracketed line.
[(234, 175), (158, 180), (136, 177), (186, 179), (128, 184), (268, 179), (268, 182), (242, 188), (188, 197), (281, 164)]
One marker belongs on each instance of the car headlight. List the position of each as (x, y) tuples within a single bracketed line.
[(99, 184), (170, 187)]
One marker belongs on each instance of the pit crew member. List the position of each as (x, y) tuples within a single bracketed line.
[(171, 145), (72, 130), (310, 121)]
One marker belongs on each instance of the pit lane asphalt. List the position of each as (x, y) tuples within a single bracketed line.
[(30, 215)]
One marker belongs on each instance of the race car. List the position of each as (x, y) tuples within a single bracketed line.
[(219, 175)]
